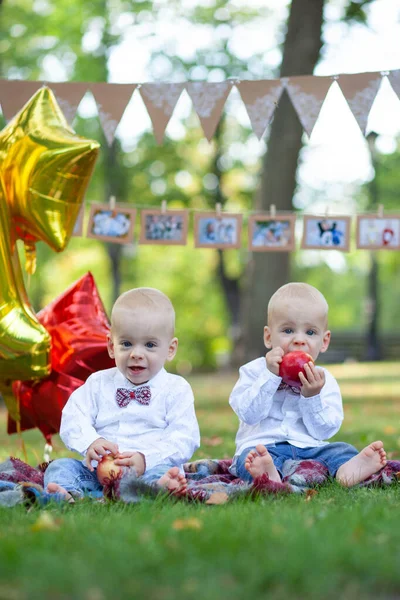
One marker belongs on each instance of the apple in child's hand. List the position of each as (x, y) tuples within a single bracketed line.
[(107, 469), (292, 364)]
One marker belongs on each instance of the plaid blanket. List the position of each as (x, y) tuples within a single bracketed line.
[(207, 479)]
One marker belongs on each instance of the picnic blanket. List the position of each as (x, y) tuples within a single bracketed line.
[(22, 484)]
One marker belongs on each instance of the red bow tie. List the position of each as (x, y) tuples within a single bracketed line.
[(141, 395)]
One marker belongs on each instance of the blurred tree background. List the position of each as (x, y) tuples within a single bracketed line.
[(220, 297)]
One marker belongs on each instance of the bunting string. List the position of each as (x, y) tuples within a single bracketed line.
[(307, 94)]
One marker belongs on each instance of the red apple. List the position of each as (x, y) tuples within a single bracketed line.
[(292, 364), (107, 469)]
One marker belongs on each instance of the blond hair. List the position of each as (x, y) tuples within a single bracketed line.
[(297, 291), (148, 299)]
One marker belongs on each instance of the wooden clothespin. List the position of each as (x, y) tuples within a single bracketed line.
[(380, 211), (272, 210), (163, 207), (112, 202), (218, 209)]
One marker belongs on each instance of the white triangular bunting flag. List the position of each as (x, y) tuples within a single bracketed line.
[(68, 96), (15, 94), (208, 100), (307, 94), (394, 78), (260, 99), (160, 100), (112, 100), (360, 91)]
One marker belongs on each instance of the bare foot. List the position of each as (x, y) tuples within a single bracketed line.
[(173, 481), (54, 488), (367, 462), (259, 462)]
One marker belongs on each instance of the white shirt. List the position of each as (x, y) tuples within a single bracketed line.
[(268, 416), (164, 431)]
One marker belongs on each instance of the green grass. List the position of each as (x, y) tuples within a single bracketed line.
[(339, 543)]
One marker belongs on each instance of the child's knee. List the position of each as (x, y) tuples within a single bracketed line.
[(60, 465)]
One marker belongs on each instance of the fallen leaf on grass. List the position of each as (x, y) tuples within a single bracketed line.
[(218, 498), (358, 532), (46, 522), (214, 440), (310, 494), (191, 523), (11, 592), (94, 594), (389, 429)]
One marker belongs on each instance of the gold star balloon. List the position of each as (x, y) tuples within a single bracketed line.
[(44, 172)]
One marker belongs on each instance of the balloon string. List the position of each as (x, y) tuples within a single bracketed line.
[(18, 424)]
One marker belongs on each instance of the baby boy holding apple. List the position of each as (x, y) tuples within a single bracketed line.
[(279, 421), (137, 412)]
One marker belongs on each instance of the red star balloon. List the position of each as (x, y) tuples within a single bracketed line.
[(78, 326)]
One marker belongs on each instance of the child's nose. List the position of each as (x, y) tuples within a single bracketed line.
[(136, 352), (299, 339)]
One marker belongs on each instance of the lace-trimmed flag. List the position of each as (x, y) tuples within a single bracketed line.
[(160, 100), (260, 99), (209, 100), (360, 91), (112, 100), (394, 78), (307, 94), (15, 94), (69, 96)]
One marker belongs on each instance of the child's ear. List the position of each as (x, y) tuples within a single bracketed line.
[(173, 347), (325, 341), (110, 346), (267, 337)]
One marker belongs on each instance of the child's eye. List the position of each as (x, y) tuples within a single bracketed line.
[(126, 344), (150, 345), (310, 332), (288, 330)]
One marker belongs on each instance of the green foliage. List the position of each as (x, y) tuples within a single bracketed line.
[(356, 11)]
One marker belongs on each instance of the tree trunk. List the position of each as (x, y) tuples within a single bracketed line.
[(229, 285), (268, 271)]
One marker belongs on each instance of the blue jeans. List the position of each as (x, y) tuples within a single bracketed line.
[(75, 477), (332, 456)]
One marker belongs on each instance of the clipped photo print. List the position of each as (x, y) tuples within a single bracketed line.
[(217, 231), (326, 233), (168, 227), (271, 234), (379, 233), (111, 224)]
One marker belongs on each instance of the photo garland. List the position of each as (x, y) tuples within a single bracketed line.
[(267, 232)]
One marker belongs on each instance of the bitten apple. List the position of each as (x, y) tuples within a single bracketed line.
[(107, 469), (292, 364)]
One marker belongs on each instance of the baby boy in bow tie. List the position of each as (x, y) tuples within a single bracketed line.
[(136, 411)]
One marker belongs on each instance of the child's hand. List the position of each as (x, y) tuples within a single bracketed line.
[(274, 359), (97, 449), (132, 459), (315, 381)]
